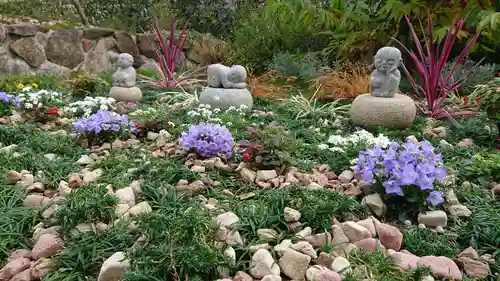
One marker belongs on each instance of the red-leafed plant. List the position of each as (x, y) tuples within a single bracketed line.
[(430, 65), (167, 52)]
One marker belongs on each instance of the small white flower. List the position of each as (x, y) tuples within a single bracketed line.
[(323, 146)]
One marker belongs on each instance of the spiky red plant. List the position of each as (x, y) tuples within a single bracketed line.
[(431, 62), (167, 52)]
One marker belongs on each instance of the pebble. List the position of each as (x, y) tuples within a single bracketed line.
[(114, 268), (340, 264), (346, 176), (291, 215)]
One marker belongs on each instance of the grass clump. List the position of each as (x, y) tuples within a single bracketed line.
[(435, 244), (179, 240)]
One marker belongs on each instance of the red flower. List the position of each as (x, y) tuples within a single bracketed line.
[(478, 100), (246, 156), (466, 99), (138, 125), (251, 147), (52, 111), (257, 149)]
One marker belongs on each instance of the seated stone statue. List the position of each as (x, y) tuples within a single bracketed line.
[(221, 76), (125, 75), (124, 88), (385, 79)]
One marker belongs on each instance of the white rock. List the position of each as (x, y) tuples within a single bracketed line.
[(233, 238), (271, 278), (140, 209), (340, 264), (355, 232), (248, 175), (84, 160), (231, 254), (152, 136), (313, 270), (114, 268), (63, 189), (459, 211), (291, 215), (121, 209), (433, 218), (285, 244), (126, 196), (346, 176), (227, 219), (370, 225), (267, 234), (263, 264), (305, 248), (50, 156), (265, 175), (451, 198), (304, 233)]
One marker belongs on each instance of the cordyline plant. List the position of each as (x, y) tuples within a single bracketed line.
[(167, 52), (431, 64)]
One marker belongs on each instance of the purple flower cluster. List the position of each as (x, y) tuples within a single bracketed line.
[(104, 121), (409, 164), (5, 98), (208, 140)]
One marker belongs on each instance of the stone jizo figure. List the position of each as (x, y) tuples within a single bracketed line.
[(385, 78), (125, 75), (226, 87), (124, 88), (221, 76)]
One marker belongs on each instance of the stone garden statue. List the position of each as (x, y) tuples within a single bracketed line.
[(124, 79), (226, 87), (384, 106), (385, 78)]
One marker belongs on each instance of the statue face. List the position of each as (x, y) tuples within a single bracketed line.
[(387, 58), (125, 60)]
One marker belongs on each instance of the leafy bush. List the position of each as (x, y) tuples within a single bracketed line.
[(489, 95), (482, 167), (303, 67), (479, 128), (291, 26), (472, 73)]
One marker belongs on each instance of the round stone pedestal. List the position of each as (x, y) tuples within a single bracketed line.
[(370, 112), (225, 98), (133, 94)]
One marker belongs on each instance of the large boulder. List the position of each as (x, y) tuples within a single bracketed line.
[(98, 58), (64, 47), (226, 98), (25, 29), (94, 33), (146, 44), (3, 33), (29, 49), (126, 44), (370, 112)]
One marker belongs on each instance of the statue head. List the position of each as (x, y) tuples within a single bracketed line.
[(237, 74), (125, 60), (387, 58)]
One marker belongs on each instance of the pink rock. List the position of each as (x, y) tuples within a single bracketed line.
[(23, 276), (242, 276), (21, 253), (405, 261), (327, 275), (389, 236), (441, 267), (474, 268), (34, 201), (469, 253), (47, 246), (369, 245), (13, 268), (42, 267)]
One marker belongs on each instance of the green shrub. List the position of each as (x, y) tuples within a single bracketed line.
[(304, 67)]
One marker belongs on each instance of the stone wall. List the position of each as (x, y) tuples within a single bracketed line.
[(32, 49)]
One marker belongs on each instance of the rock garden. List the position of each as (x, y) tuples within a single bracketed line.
[(140, 171)]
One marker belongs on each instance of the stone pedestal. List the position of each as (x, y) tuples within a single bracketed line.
[(225, 98), (132, 94), (370, 112)]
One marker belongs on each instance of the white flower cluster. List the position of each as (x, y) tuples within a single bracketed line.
[(338, 143), (144, 113), (35, 99), (90, 105), (207, 114)]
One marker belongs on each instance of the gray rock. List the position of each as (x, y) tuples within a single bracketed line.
[(4, 59), (385, 79), (3, 33), (291, 215), (29, 49), (18, 67), (221, 76), (265, 175), (52, 69), (97, 59), (146, 44), (226, 98), (64, 47), (25, 29), (451, 198), (132, 94), (126, 44), (346, 176), (263, 264), (370, 112), (375, 203), (95, 33)]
